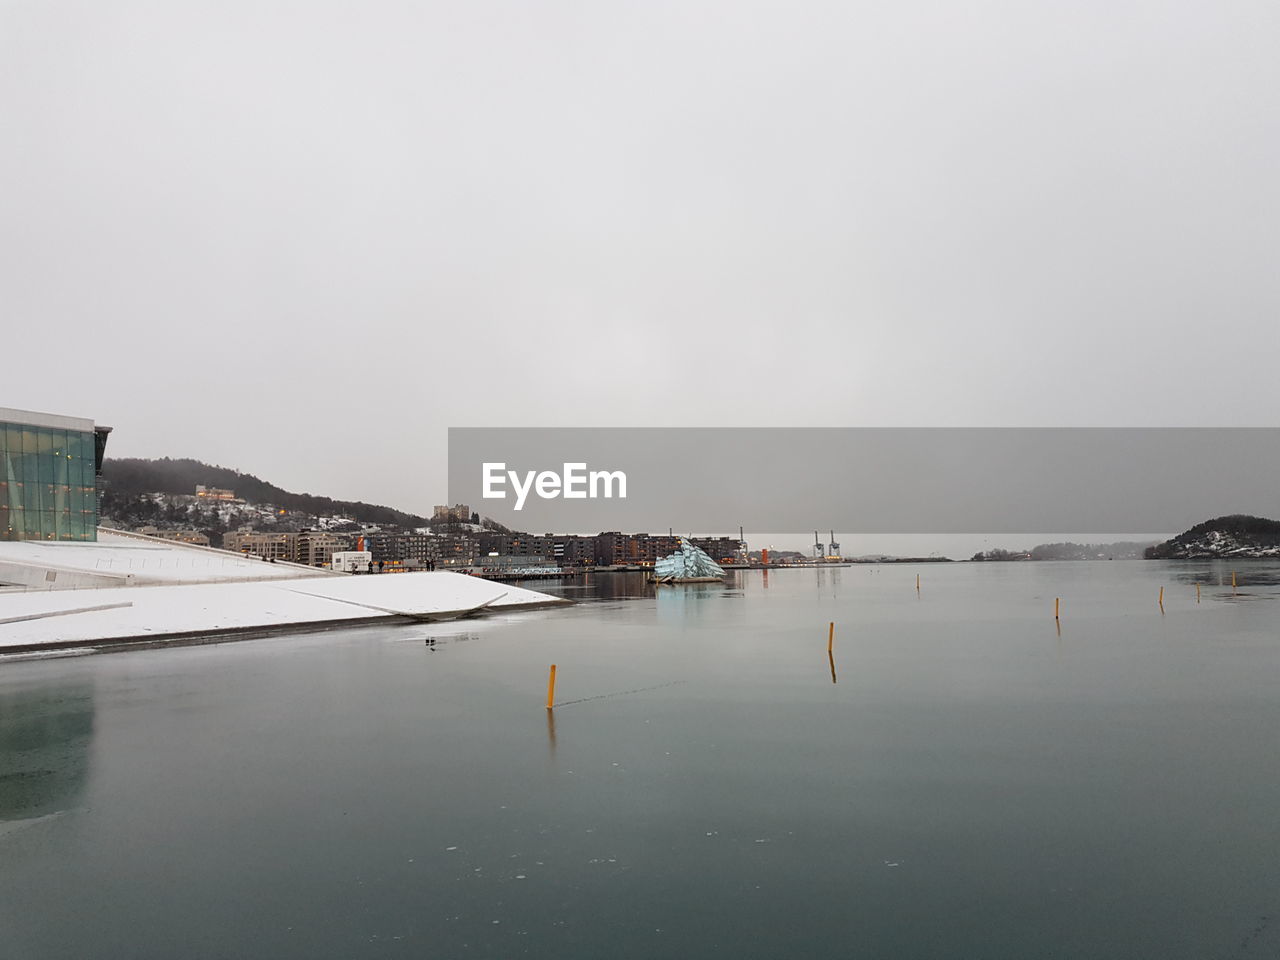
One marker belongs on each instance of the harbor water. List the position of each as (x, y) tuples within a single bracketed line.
[(962, 776)]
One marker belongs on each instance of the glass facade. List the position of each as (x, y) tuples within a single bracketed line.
[(48, 479)]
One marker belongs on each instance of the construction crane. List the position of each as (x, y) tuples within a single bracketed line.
[(835, 547), (817, 546)]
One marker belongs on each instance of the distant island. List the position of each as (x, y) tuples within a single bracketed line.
[(1237, 536), (1120, 550)]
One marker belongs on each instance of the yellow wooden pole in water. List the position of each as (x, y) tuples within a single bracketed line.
[(1057, 602), (831, 635), (1162, 599), (551, 687), (1233, 579), (1197, 593)]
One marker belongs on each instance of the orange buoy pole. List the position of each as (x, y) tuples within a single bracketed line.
[(551, 688)]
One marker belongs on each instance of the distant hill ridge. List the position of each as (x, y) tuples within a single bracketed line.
[(1236, 535), (129, 477)]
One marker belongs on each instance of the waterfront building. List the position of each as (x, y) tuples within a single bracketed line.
[(722, 549), (214, 493), (517, 544), (50, 472), (312, 548), (315, 548), (508, 566), (645, 549), (387, 547), (611, 547), (456, 550), (458, 513), (654, 548), (572, 550), (383, 547), (268, 546), (607, 549), (419, 547), (633, 548)]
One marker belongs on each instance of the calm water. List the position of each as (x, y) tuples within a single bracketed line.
[(975, 784)]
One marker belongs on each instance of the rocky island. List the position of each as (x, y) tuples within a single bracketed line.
[(1237, 536)]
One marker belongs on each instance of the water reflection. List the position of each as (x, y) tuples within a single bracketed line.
[(633, 585), (45, 736), (599, 587), (433, 641), (827, 576), (1218, 573), (356, 793), (1228, 581), (685, 602)]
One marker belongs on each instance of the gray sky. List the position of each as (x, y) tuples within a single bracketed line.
[(302, 239)]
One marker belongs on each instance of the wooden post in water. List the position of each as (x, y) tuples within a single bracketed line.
[(1162, 600), (1057, 603), (1197, 593), (551, 688), (831, 635), (917, 583), (1233, 581)]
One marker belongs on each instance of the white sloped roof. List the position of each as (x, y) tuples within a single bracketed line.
[(140, 560), (64, 618)]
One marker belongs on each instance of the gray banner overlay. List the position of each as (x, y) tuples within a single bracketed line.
[(866, 480)]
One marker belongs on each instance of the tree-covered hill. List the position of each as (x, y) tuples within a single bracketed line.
[(130, 477), (1237, 535)]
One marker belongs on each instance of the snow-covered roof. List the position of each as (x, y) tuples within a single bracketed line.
[(35, 418), (105, 616), (127, 587), (134, 559)]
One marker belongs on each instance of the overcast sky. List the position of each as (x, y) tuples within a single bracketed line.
[(303, 239)]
